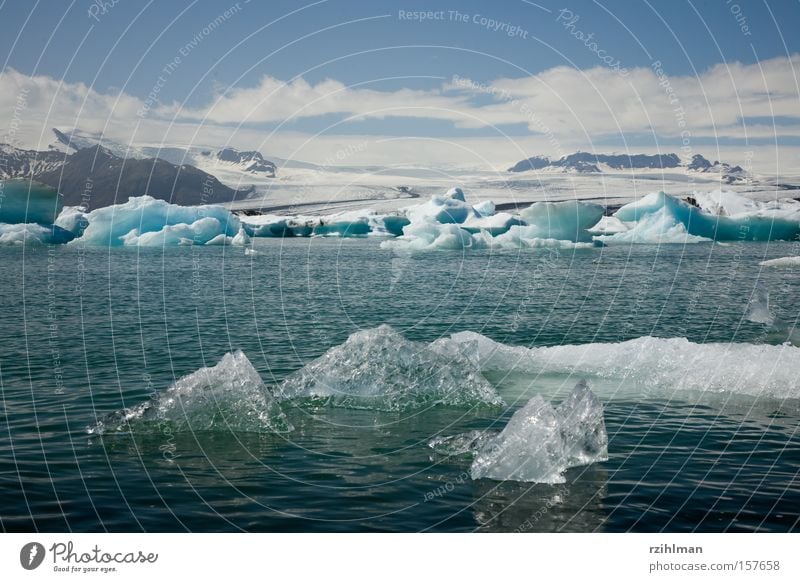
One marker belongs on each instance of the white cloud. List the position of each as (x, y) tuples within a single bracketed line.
[(564, 108)]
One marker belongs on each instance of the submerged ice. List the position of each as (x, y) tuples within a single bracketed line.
[(540, 441), (229, 396)]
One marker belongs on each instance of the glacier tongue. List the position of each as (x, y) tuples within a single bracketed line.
[(540, 442), (378, 369), (229, 396)]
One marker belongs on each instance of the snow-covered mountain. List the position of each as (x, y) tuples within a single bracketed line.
[(588, 163), (250, 161), (20, 163), (245, 163)]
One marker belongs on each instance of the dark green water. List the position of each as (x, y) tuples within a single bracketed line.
[(89, 331)]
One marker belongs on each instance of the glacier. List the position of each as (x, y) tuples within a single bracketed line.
[(229, 396), (378, 369), (539, 442)]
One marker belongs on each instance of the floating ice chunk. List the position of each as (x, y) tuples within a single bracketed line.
[(268, 225), (494, 224), (378, 369), (198, 232), (485, 208), (18, 234), (456, 194), (220, 240), (249, 251), (23, 233), (661, 227), (345, 224), (722, 203), (562, 220), (441, 209), (128, 223), (227, 397), (782, 262), (649, 364), (72, 219), (25, 201), (430, 236), (758, 310), (526, 237), (241, 239), (608, 225), (540, 442)]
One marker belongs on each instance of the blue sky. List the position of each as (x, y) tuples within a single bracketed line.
[(124, 48), (685, 36)]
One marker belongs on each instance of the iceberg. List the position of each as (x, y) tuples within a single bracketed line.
[(429, 236), (526, 237), (720, 216), (19, 234), (562, 220), (657, 228), (539, 443), (25, 201), (440, 209), (145, 221), (241, 239), (378, 369), (227, 397), (72, 219)]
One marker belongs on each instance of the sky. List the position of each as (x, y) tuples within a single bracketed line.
[(425, 83)]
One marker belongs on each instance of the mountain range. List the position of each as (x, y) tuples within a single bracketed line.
[(588, 163), (84, 172)]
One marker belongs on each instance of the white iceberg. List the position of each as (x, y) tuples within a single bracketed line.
[(659, 227), (567, 220), (720, 216), (143, 220)]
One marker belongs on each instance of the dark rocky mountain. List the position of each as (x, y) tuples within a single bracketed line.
[(106, 178), (251, 161), (19, 163), (699, 163), (586, 163)]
